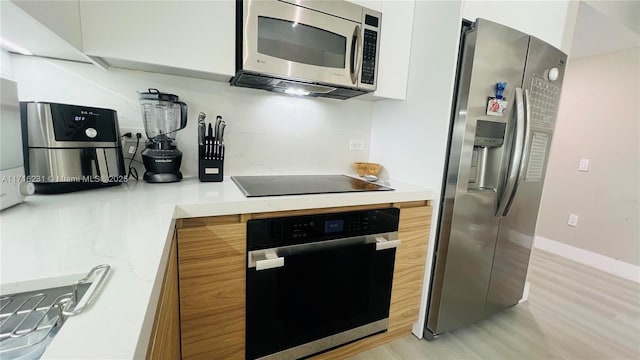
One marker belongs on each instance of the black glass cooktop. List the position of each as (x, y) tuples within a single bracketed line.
[(255, 186)]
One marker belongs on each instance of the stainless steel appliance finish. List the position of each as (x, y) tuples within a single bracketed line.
[(315, 282), (494, 175), (316, 346), (70, 147), (30, 320), (276, 185), (316, 48)]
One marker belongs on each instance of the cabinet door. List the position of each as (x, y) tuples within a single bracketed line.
[(212, 264), (195, 35), (165, 336), (61, 17), (395, 49), (395, 46), (413, 232), (371, 4)]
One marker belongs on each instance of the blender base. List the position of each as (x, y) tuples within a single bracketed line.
[(152, 177)]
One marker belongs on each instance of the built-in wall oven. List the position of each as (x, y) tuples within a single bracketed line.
[(315, 282)]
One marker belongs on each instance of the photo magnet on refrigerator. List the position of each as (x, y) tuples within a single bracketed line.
[(496, 107)]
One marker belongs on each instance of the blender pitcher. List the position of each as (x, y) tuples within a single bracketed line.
[(162, 114)]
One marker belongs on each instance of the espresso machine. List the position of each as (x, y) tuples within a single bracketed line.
[(163, 115)]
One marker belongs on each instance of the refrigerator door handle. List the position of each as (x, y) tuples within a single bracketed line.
[(517, 157), (525, 149)]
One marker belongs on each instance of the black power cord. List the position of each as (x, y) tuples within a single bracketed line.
[(133, 172)]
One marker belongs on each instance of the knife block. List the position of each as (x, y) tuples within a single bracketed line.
[(210, 170)]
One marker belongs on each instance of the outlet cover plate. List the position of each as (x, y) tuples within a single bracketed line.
[(583, 165), (356, 144), (129, 145)]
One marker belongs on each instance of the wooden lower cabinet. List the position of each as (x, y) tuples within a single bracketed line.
[(211, 267), (211, 258), (164, 343)]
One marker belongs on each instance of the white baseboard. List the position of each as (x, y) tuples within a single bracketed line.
[(525, 293), (600, 262)]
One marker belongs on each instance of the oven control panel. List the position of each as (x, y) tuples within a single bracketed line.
[(267, 233)]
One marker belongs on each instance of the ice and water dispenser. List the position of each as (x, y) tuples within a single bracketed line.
[(487, 155)]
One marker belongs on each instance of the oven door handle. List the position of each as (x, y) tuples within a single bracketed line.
[(268, 259), (274, 257), (383, 243)]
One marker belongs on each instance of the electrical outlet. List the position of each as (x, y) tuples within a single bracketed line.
[(356, 144), (129, 145), (583, 165), (133, 131), (573, 220)]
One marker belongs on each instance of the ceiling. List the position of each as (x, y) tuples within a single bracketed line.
[(605, 26)]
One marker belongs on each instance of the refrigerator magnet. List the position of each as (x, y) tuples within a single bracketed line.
[(496, 107)]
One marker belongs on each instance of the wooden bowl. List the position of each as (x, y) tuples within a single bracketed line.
[(365, 168)]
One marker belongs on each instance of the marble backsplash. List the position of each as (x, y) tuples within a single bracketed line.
[(266, 134)]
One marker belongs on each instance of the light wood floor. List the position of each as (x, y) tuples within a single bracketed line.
[(573, 312)]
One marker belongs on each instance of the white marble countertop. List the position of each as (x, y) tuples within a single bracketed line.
[(53, 240)]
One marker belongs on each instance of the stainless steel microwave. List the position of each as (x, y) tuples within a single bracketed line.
[(307, 47)]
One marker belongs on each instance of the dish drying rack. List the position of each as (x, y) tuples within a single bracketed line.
[(33, 318)]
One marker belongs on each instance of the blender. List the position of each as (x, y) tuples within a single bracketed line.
[(163, 115)]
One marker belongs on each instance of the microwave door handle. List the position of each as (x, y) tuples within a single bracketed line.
[(356, 50)]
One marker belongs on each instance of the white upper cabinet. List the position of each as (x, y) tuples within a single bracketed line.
[(188, 38), (45, 28), (371, 4), (50, 14), (395, 47)]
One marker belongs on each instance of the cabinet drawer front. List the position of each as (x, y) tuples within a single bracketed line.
[(212, 291)]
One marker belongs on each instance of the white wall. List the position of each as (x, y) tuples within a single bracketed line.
[(267, 133), (624, 12), (409, 137), (598, 119), (6, 68)]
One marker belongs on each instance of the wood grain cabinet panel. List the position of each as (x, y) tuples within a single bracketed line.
[(409, 269), (164, 343), (212, 288), (212, 262)]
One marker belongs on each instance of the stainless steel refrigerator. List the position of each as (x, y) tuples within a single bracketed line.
[(504, 113)]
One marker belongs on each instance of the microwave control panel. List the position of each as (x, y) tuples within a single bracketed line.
[(369, 49)]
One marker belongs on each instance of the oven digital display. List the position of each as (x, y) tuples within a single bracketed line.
[(333, 226)]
